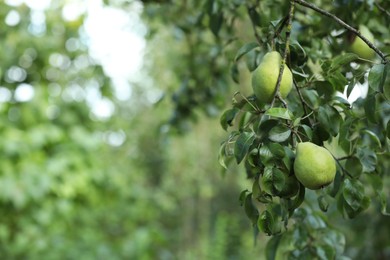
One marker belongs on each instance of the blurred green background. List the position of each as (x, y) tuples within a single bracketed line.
[(81, 184), (88, 172)]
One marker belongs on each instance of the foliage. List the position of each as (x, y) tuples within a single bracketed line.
[(237, 34)]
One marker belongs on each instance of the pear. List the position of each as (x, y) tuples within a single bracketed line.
[(264, 78), (314, 166), (359, 47)]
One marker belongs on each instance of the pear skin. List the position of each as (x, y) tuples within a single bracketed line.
[(265, 76), (314, 166)]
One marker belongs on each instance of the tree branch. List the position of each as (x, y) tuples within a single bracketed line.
[(345, 25), (283, 63), (382, 9)]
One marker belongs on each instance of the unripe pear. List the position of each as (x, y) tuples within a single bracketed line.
[(314, 166), (359, 47), (264, 78)]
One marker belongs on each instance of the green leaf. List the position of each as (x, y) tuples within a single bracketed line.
[(245, 49), (266, 156), (355, 199), (266, 222), (271, 247), (311, 97), (337, 80), (388, 129), (265, 126), (336, 184), (250, 209), (215, 23), (242, 197), (354, 167), (323, 202), (342, 60), (370, 105), (368, 159), (297, 201), (279, 112), (375, 142), (242, 145), (255, 16), (277, 150), (308, 132), (279, 133), (376, 77), (329, 119), (272, 180), (228, 117), (234, 73), (222, 155)]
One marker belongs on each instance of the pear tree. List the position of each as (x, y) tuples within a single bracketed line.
[(286, 74)]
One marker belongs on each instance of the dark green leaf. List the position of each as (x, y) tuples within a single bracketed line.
[(266, 222), (376, 77), (234, 73), (265, 127), (228, 117), (243, 143), (250, 209), (375, 142), (329, 119), (337, 80), (266, 155), (279, 112), (277, 150), (323, 202), (342, 60), (311, 97), (242, 197), (245, 49), (354, 167), (367, 158), (297, 201), (215, 24), (271, 247), (388, 129), (279, 133), (272, 180), (370, 108), (308, 132), (255, 16), (336, 184)]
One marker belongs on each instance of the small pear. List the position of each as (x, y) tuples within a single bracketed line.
[(264, 78), (314, 166), (359, 47)]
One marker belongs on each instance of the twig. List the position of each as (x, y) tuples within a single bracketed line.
[(301, 97), (286, 50), (382, 9), (344, 157), (345, 25), (257, 36)]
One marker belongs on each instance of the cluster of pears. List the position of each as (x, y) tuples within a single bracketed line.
[(314, 166)]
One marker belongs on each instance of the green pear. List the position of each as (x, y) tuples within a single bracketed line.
[(264, 78), (314, 166), (359, 47)]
